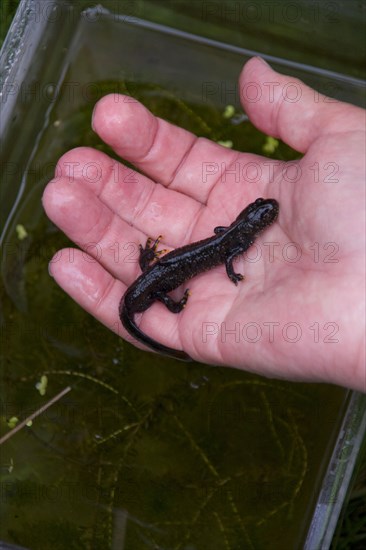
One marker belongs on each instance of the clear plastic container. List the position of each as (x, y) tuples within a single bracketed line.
[(139, 452)]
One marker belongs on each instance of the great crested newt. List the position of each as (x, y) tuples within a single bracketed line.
[(161, 275)]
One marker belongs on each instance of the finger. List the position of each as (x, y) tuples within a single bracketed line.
[(149, 207), (166, 153), (94, 228), (99, 293), (284, 107), (91, 286)]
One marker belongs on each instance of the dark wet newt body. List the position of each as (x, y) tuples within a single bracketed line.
[(162, 275)]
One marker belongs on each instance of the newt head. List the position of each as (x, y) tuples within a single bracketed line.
[(259, 214)]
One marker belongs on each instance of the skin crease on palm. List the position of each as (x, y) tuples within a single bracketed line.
[(94, 199)]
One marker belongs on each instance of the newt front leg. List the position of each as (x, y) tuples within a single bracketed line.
[(234, 277), (149, 253)]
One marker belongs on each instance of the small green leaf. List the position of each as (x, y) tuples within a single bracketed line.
[(270, 145), (21, 232)]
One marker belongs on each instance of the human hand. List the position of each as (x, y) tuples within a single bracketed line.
[(301, 320)]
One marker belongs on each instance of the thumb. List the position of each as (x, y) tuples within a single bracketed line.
[(283, 106)]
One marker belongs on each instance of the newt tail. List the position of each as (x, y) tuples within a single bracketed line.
[(128, 322)]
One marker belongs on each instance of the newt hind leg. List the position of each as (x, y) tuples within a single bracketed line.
[(172, 305), (149, 254)]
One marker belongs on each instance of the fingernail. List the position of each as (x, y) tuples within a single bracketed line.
[(92, 117), (263, 61)]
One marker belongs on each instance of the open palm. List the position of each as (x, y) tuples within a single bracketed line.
[(299, 313)]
